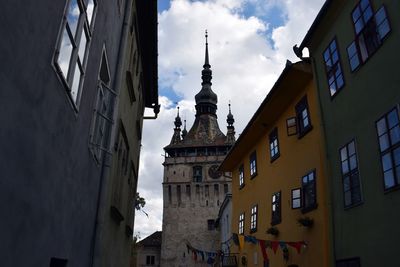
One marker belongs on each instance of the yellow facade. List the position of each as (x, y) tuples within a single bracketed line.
[(298, 156)]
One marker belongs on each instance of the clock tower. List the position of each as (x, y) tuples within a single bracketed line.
[(193, 187)]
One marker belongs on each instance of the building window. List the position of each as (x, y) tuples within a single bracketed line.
[(276, 208), (241, 224), (333, 68), (226, 188), (197, 190), (354, 262), (206, 190), (350, 175), (102, 113), (388, 130), (370, 30), (211, 225), (274, 144), (216, 189), (179, 194), (197, 174), (72, 47), (309, 191), (253, 164), (169, 194), (241, 176), (291, 126), (303, 117), (253, 219), (188, 191), (150, 260), (296, 198)]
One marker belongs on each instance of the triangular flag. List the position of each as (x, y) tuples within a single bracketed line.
[(296, 245), (263, 249), (274, 246)]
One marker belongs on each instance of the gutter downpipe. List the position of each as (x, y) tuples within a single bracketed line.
[(96, 248)]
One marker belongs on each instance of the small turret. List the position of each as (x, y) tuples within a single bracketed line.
[(184, 131), (230, 135), (176, 138)]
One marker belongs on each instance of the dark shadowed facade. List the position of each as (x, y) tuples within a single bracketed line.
[(76, 76)]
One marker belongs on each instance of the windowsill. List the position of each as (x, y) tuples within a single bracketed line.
[(253, 176), (392, 189), (253, 230), (310, 208), (305, 131), (240, 187), (275, 157), (273, 223), (349, 207), (337, 92)]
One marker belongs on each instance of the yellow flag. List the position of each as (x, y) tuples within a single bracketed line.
[(241, 241)]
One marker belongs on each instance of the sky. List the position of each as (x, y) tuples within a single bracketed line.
[(249, 43)]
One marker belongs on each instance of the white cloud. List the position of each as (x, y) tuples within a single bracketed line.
[(244, 65)]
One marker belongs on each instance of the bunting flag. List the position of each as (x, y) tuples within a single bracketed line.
[(251, 239), (263, 250), (241, 242), (274, 246), (296, 245)]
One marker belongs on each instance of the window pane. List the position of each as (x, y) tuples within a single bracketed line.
[(381, 126), (389, 179), (296, 193), (384, 142), (387, 162), (356, 14), (393, 118), (353, 162), (352, 149), (335, 57), (380, 15), (340, 81), (364, 4), (311, 176), (73, 16), (346, 184), (82, 46), (65, 53), (345, 166), (384, 29), (333, 46), (396, 156), (296, 203), (367, 14), (326, 55), (359, 25), (395, 135), (75, 82), (343, 153), (89, 11)]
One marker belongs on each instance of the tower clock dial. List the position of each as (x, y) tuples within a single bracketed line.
[(213, 172)]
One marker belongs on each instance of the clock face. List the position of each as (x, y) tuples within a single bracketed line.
[(213, 172)]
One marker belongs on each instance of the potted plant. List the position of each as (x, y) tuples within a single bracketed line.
[(273, 231), (305, 221)]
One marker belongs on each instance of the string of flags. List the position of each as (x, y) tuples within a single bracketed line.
[(273, 244), (239, 240), (204, 256)]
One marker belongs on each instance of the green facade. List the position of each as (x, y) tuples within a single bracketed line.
[(368, 230)]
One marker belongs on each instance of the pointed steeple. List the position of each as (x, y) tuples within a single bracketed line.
[(184, 131), (206, 99), (176, 138), (230, 135)]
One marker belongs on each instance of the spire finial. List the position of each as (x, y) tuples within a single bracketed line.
[(229, 119), (178, 121), (206, 62)]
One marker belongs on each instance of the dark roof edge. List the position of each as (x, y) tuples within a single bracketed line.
[(274, 88), (315, 24)]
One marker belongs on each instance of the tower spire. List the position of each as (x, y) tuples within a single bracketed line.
[(176, 138), (230, 135), (206, 61)]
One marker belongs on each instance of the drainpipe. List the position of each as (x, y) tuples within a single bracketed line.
[(96, 248)]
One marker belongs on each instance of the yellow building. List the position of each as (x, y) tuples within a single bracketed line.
[(279, 180)]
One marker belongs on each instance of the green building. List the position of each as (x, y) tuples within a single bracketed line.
[(354, 47)]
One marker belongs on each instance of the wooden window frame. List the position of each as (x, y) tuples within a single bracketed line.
[(333, 68), (276, 208), (305, 187), (253, 219), (241, 176), (253, 164), (300, 107), (241, 223), (274, 145), (350, 174), (296, 198)]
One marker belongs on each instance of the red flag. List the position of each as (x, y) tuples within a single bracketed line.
[(296, 245), (274, 245), (263, 249)]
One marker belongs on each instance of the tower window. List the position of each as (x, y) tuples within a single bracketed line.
[(197, 174), (178, 193), (150, 260), (211, 225), (188, 192), (216, 189)]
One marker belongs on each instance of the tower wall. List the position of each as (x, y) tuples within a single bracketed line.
[(186, 214)]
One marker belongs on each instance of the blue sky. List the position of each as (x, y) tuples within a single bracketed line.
[(249, 43)]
